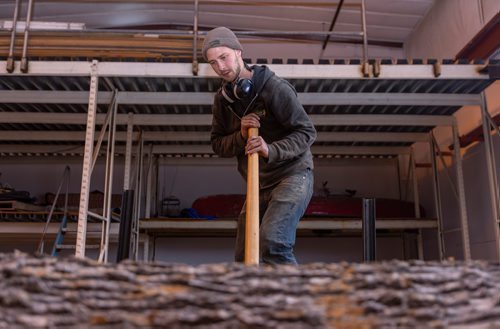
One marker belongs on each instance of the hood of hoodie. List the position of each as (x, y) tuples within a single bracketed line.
[(261, 74)]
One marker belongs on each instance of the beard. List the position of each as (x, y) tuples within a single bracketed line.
[(237, 69)]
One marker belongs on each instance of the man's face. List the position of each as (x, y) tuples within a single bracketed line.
[(225, 62)]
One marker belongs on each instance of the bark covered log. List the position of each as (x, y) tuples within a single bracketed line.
[(70, 292)]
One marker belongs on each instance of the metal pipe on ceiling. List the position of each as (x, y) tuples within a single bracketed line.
[(334, 20), (10, 59), (24, 60), (218, 3), (365, 39), (195, 39)]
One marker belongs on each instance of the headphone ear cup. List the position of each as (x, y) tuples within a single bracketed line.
[(227, 92), (243, 88)]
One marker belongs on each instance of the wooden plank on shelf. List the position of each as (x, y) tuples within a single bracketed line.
[(13, 205), (32, 231), (160, 225)]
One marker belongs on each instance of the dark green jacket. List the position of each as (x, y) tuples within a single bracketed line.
[(285, 126)]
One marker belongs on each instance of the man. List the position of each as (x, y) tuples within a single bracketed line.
[(254, 97)]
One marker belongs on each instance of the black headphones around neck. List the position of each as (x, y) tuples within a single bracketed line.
[(239, 89)]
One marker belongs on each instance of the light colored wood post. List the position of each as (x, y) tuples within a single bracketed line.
[(252, 207)]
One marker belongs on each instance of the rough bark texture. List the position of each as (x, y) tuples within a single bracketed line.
[(50, 292)]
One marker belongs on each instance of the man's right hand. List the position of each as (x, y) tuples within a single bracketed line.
[(251, 120)]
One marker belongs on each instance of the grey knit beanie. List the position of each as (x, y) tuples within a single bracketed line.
[(220, 37)]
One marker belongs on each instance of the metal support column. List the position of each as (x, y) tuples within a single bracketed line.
[(398, 173), (461, 192), (127, 198), (123, 251), (155, 185), (108, 184), (128, 152), (134, 241), (416, 202), (437, 196), (147, 242), (369, 231), (491, 169), (149, 178), (87, 163)]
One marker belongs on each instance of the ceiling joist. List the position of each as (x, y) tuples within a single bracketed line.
[(206, 119), (206, 98), (204, 136)]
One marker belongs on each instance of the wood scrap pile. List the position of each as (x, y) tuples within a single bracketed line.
[(50, 292)]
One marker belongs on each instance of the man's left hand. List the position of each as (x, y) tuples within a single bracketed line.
[(256, 144)]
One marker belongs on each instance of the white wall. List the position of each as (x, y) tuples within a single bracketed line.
[(190, 180), (478, 202), (447, 28), (203, 250), (483, 245), (255, 50), (195, 177), (308, 249), (40, 175)]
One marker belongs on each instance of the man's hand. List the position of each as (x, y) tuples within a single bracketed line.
[(251, 120), (256, 144)]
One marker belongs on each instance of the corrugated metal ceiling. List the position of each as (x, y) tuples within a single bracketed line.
[(387, 20)]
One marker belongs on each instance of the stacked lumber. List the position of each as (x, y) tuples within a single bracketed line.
[(50, 292), (101, 45)]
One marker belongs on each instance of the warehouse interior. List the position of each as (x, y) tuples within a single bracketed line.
[(404, 95), (115, 211)]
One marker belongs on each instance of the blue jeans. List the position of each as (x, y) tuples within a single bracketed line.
[(281, 208)]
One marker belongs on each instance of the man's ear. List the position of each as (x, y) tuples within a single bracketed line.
[(237, 52)]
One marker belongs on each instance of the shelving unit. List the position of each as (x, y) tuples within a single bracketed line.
[(54, 108)]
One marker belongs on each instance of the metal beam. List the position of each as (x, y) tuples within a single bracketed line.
[(329, 223), (370, 137), (380, 120), (31, 230), (206, 119), (387, 99), (287, 71), (204, 136), (37, 149), (462, 202), (346, 150), (206, 98), (356, 150), (437, 197)]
